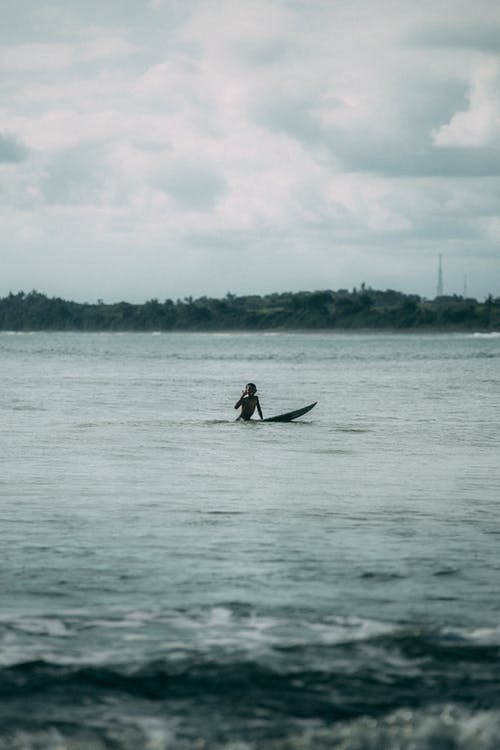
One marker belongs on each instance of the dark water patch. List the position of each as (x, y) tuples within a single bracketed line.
[(348, 428), (446, 572), (41, 593), (325, 682), (223, 512), (333, 451), (381, 576), (26, 408)]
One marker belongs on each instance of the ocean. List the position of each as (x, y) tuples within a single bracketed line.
[(174, 580)]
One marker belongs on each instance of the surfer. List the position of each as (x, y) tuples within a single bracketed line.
[(249, 401)]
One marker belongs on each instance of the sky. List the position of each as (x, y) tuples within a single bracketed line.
[(172, 148)]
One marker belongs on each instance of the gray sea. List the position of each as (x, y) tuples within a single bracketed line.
[(171, 579)]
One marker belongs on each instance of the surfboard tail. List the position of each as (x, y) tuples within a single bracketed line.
[(289, 415)]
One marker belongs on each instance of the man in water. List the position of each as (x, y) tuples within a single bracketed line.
[(248, 401)]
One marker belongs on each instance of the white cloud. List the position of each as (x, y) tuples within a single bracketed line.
[(104, 47), (479, 125), (36, 57), (59, 56)]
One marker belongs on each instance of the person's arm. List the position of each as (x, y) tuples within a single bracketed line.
[(238, 403), (259, 409)]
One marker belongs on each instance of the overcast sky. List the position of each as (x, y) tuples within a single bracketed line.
[(166, 148)]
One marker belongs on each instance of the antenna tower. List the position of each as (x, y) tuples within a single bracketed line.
[(439, 290)]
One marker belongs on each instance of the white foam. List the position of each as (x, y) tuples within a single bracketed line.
[(406, 729), (484, 636), (220, 616), (43, 626)]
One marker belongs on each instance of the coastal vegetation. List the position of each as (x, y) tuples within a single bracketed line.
[(363, 308)]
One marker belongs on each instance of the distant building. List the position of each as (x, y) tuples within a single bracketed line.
[(439, 289)]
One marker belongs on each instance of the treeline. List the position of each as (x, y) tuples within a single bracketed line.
[(357, 309)]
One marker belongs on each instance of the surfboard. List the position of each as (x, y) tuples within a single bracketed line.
[(289, 415)]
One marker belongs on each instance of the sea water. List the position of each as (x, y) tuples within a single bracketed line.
[(173, 579)]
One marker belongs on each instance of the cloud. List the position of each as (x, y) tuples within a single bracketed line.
[(36, 57), (326, 141), (74, 176), (194, 186), (473, 35), (479, 125), (58, 57), (104, 46), (11, 150)]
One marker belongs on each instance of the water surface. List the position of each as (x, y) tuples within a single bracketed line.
[(172, 578)]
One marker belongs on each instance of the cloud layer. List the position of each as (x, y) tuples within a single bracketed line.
[(197, 147)]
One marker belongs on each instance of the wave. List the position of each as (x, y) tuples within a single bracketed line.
[(241, 705), (352, 683), (444, 726), (332, 682), (224, 630)]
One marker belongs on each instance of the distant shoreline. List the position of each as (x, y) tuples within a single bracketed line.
[(362, 311), (266, 331)]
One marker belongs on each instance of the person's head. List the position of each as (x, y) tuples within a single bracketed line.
[(251, 388)]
